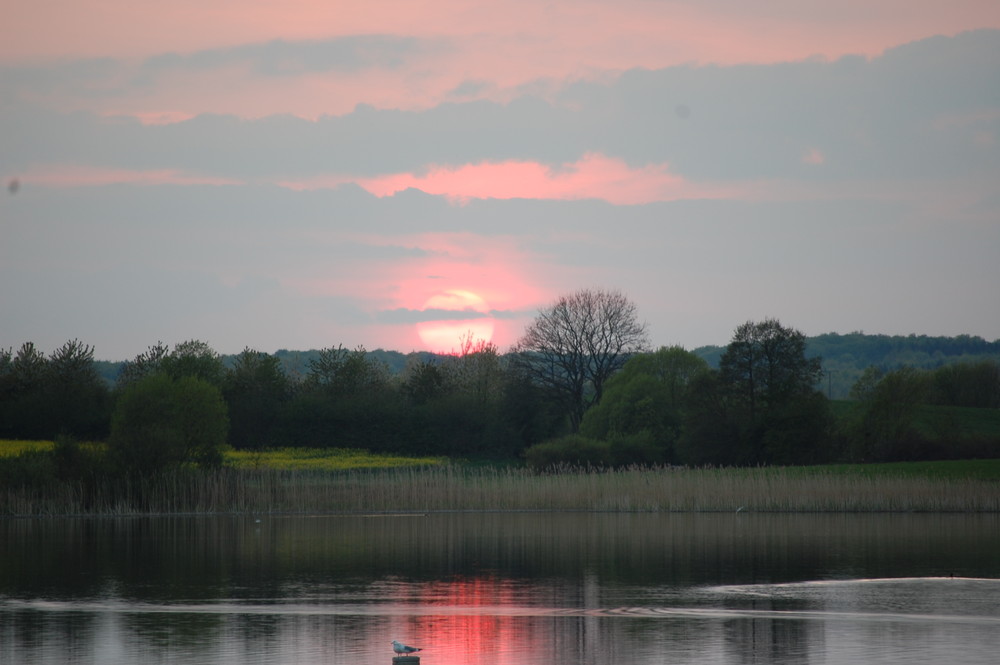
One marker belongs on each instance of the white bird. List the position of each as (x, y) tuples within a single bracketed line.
[(401, 648)]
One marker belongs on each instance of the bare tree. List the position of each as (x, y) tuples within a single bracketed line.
[(575, 345)]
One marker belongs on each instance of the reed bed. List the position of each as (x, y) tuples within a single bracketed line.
[(462, 488)]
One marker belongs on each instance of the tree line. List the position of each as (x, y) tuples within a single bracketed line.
[(581, 386)]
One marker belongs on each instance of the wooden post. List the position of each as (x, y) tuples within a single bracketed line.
[(406, 660)]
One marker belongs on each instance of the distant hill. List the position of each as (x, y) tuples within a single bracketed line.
[(845, 357)]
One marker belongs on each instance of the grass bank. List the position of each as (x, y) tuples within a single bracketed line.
[(457, 487)]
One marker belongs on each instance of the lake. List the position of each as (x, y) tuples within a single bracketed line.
[(502, 588)]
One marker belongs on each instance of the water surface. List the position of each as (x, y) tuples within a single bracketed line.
[(517, 589)]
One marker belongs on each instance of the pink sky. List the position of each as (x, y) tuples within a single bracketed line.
[(594, 176), (163, 63), (506, 44), (622, 33)]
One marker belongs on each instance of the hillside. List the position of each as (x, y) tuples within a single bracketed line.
[(845, 357)]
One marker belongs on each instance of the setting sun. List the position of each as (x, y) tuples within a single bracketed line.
[(472, 317)]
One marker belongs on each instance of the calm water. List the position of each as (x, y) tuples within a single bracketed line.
[(513, 589)]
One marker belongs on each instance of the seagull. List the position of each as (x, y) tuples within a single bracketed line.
[(401, 648)]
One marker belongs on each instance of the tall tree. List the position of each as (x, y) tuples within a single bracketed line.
[(24, 412), (765, 364), (576, 344), (77, 398), (142, 365), (886, 403), (772, 386), (256, 389), (195, 358)]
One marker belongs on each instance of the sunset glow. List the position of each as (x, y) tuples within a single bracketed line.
[(472, 320), (594, 176)]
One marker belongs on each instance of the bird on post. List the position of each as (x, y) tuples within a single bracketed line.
[(402, 649)]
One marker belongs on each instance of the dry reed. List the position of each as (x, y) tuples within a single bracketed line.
[(458, 488)]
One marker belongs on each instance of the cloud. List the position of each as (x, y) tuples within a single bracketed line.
[(884, 117), (823, 191), (593, 176), (349, 53), (68, 175)]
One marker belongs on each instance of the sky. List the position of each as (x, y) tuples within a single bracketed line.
[(399, 175)]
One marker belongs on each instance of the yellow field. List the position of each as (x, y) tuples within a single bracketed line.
[(280, 459), (321, 459), (13, 447)]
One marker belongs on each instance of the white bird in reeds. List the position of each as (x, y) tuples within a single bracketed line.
[(401, 648)]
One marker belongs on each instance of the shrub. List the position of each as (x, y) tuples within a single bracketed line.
[(31, 469), (636, 449), (573, 449), (161, 422)]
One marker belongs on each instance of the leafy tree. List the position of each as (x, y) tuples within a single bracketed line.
[(422, 382), (161, 422), (765, 364), (967, 384), (256, 390), (887, 403), (194, 358), (42, 397), (528, 411), (22, 391), (142, 365), (346, 400), (646, 396), (339, 372), (477, 371), (78, 400), (575, 345), (768, 399), (711, 427)]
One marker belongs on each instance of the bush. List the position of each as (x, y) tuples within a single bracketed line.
[(33, 469), (573, 449), (161, 422), (637, 449)]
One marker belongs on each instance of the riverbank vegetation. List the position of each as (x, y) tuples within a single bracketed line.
[(586, 394), (439, 486)]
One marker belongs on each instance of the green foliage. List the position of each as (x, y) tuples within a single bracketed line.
[(422, 382), (78, 400), (338, 372), (711, 430), (902, 414), (162, 422), (41, 397), (761, 407), (256, 390), (570, 450), (845, 357), (637, 449), (765, 365), (886, 404), (647, 397), (974, 384), (664, 406), (32, 469), (194, 358)]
